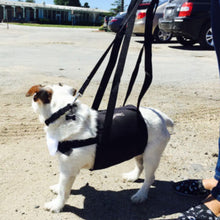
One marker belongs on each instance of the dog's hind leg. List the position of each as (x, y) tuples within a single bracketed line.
[(151, 159), (134, 174)]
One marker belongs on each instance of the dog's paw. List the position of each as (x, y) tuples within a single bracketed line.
[(54, 188), (139, 197), (130, 177), (54, 206)]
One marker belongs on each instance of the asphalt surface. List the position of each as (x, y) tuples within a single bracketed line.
[(72, 53)]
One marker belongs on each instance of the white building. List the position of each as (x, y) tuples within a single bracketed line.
[(43, 13)]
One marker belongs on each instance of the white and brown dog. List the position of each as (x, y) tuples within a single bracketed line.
[(81, 124)]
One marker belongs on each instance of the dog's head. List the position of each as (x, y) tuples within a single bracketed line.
[(49, 99)]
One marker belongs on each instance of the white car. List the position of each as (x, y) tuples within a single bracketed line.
[(139, 25)]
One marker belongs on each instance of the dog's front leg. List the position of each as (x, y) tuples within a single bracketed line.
[(64, 187)]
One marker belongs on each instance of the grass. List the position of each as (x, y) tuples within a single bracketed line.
[(54, 25)]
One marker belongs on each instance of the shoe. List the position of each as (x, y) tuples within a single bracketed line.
[(199, 212), (190, 188)]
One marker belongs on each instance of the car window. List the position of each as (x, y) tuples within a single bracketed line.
[(149, 1), (121, 15), (177, 1), (146, 1), (162, 2)]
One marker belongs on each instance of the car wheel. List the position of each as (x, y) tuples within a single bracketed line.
[(206, 38), (161, 36), (185, 41)]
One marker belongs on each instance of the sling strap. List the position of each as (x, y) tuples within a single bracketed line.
[(148, 38), (115, 51), (148, 66)]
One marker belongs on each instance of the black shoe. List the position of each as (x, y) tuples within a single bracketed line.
[(190, 188)]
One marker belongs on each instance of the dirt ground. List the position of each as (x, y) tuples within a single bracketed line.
[(27, 170)]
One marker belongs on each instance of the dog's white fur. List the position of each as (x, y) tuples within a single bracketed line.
[(85, 127)]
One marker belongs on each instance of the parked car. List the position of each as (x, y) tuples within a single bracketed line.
[(189, 21), (139, 25), (115, 22)]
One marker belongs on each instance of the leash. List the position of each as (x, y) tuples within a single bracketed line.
[(121, 41), (115, 46)]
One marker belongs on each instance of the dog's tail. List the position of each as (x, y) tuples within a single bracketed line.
[(169, 122)]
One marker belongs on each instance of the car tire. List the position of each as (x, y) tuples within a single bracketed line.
[(206, 38), (185, 41), (162, 36)]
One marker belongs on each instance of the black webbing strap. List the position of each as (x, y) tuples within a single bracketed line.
[(148, 38), (95, 69), (59, 113), (115, 51), (108, 70), (66, 146), (117, 77), (115, 45), (134, 76), (148, 48), (148, 67)]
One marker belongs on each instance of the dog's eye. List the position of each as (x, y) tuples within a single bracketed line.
[(44, 95)]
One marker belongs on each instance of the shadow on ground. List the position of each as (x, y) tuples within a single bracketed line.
[(110, 205)]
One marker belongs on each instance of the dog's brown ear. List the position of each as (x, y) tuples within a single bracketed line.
[(44, 95), (33, 90)]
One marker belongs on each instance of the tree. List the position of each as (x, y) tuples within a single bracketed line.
[(118, 6), (122, 5), (30, 1), (68, 2), (86, 5)]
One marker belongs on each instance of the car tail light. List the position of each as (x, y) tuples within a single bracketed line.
[(114, 20), (186, 9), (144, 4), (141, 15)]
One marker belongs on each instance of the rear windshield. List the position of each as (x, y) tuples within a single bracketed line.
[(120, 15), (177, 1), (146, 3), (162, 2)]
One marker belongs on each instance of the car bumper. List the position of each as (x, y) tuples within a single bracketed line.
[(139, 28), (166, 25), (113, 27), (182, 26)]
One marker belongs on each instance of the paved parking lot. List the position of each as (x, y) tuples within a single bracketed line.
[(73, 53)]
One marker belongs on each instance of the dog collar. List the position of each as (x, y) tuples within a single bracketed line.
[(62, 111)]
